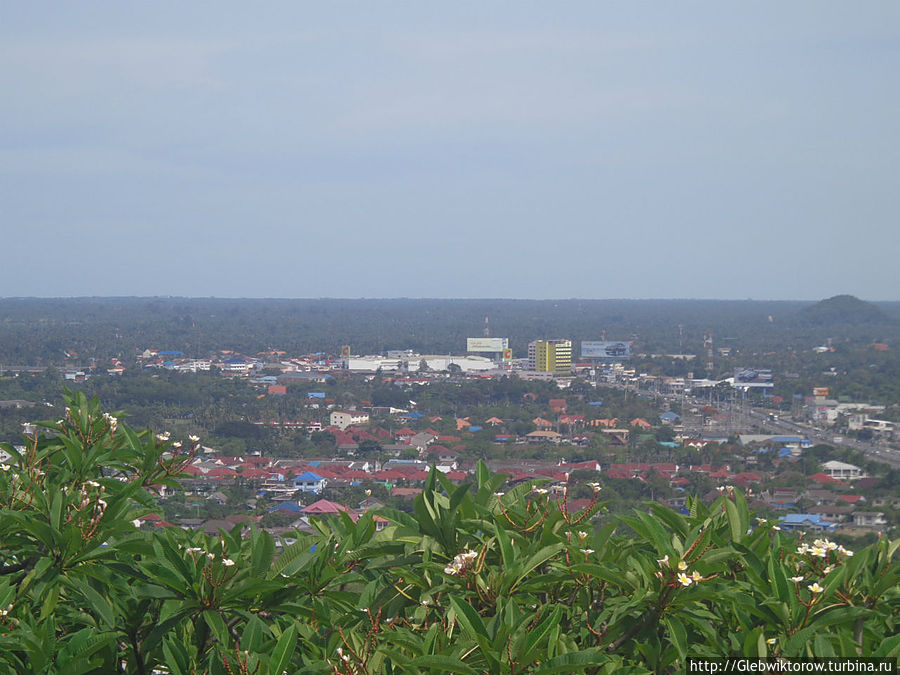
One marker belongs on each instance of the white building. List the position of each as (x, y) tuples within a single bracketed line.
[(842, 470), (348, 418), (411, 362)]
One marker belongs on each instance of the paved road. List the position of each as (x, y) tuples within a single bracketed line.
[(750, 420)]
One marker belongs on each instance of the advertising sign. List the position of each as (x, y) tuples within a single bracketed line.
[(345, 351), (483, 344), (821, 392), (745, 378), (507, 354), (605, 350)]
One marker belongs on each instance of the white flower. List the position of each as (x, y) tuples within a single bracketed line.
[(163, 436), (228, 562), (664, 560), (368, 493), (776, 528), (112, 421), (847, 553), (194, 549), (540, 491), (193, 439), (101, 503), (682, 565), (92, 483), (828, 570), (586, 551), (594, 486), (211, 556), (499, 494), (4, 467), (815, 588), (796, 580), (177, 445), (817, 551), (582, 534), (685, 579), (771, 641), (136, 522), (461, 562), (696, 576)]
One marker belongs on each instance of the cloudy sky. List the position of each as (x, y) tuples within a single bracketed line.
[(466, 149)]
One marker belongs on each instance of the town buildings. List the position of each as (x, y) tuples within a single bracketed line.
[(550, 356)]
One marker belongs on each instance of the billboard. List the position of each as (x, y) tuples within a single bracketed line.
[(483, 344), (605, 350), (507, 354), (345, 351), (745, 378)]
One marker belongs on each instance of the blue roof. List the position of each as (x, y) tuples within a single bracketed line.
[(413, 415), (315, 394), (474, 428), (170, 353), (595, 402), (806, 518), (308, 475), (293, 507), (669, 444), (669, 416)]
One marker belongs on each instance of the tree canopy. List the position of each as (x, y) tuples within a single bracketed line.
[(474, 581)]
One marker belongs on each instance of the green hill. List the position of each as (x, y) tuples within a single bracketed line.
[(842, 310)]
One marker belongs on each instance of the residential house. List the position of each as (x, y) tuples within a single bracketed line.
[(869, 519), (308, 482), (346, 418), (842, 470), (541, 436), (805, 521)]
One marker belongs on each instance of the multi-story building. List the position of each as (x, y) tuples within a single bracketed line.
[(550, 356), (345, 418)]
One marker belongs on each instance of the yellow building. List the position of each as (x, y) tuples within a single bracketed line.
[(551, 356)]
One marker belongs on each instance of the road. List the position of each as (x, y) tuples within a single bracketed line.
[(756, 420)]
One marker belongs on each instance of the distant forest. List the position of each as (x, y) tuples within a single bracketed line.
[(40, 331)]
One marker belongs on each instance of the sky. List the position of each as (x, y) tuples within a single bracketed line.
[(450, 150)]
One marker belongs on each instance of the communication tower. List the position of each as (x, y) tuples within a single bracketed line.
[(708, 346)]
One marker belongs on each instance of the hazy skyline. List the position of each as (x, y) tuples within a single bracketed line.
[(521, 150)]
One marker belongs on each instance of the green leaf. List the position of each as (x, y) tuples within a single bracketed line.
[(678, 634), (176, 657), (734, 520), (438, 662), (284, 650), (538, 558), (573, 662)]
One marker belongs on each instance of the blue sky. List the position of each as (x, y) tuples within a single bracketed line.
[(506, 149)]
